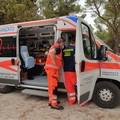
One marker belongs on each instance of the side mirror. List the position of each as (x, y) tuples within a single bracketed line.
[(102, 53)]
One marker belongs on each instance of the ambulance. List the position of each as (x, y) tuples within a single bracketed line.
[(22, 54)]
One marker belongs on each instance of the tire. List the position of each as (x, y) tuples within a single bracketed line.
[(5, 88), (106, 95)]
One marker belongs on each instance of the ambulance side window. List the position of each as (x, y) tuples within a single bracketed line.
[(8, 46), (89, 45), (67, 36)]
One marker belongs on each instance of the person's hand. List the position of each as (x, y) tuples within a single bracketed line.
[(46, 53)]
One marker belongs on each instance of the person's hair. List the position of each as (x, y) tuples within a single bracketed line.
[(72, 41), (59, 40)]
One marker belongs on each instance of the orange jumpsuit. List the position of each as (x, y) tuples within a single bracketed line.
[(70, 81), (69, 73), (52, 74)]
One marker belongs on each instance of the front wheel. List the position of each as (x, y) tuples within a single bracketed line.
[(5, 88), (106, 95)]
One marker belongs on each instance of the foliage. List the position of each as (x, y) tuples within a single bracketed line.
[(12, 11), (56, 8), (108, 13), (104, 35)]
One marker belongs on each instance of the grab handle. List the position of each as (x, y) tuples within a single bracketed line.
[(13, 61), (82, 65)]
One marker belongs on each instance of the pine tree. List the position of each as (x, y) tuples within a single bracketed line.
[(13, 11), (55, 8), (109, 17)]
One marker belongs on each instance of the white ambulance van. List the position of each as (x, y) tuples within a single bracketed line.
[(22, 53)]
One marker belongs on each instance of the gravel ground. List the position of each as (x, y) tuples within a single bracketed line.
[(19, 106)]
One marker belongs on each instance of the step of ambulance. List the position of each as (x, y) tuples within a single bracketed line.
[(35, 92), (37, 81)]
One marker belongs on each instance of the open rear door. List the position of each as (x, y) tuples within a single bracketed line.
[(87, 66), (8, 54)]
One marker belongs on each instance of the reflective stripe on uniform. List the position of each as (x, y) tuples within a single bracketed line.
[(72, 98), (67, 52), (54, 97), (58, 57), (71, 94), (49, 65), (54, 101)]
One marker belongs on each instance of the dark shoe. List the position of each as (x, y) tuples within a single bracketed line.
[(57, 107), (58, 102)]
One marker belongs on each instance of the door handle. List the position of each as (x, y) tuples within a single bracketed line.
[(82, 65), (13, 61)]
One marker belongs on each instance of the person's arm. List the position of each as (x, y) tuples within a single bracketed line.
[(52, 53)]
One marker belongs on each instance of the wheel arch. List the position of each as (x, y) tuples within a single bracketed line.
[(116, 82)]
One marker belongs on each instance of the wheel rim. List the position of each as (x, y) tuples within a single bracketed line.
[(106, 95)]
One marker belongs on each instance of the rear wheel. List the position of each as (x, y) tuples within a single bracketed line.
[(5, 88), (106, 95)]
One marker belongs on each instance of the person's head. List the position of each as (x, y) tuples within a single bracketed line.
[(60, 41), (72, 41)]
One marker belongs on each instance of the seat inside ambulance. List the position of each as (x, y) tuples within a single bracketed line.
[(28, 62)]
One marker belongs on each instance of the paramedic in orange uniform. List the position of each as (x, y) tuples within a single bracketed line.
[(69, 71), (52, 66)]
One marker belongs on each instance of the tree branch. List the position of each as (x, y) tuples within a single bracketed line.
[(98, 13)]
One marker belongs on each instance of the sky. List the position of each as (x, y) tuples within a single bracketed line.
[(88, 18)]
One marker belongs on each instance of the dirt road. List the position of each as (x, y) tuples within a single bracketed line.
[(19, 106)]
